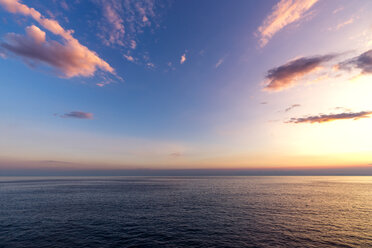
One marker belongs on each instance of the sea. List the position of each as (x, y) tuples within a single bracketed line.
[(249, 211)]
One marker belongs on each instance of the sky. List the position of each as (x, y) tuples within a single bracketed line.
[(111, 85)]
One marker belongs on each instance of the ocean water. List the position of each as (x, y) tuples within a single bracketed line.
[(186, 212)]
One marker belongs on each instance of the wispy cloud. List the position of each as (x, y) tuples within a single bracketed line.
[(284, 13), (292, 107), (78, 115), (363, 62), (338, 10), (183, 58), (69, 57), (54, 162), (64, 5), (219, 62), (2, 55), (331, 117), (287, 75), (343, 109), (343, 24)]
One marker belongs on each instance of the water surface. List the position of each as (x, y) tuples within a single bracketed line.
[(186, 211)]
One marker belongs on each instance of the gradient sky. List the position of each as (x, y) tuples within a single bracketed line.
[(100, 84)]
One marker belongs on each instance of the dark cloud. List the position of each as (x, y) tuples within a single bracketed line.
[(263, 103), (331, 117), (286, 75), (78, 115), (292, 107), (362, 62)]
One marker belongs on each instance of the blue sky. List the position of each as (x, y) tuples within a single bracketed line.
[(184, 84)]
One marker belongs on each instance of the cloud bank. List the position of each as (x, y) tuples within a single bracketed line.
[(284, 13), (285, 76), (70, 57), (331, 117)]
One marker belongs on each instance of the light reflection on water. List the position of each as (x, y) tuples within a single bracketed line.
[(186, 211)]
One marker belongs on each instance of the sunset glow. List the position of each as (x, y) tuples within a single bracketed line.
[(168, 85)]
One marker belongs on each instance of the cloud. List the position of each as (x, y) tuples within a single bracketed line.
[(54, 162), (64, 5), (220, 61), (341, 25), (123, 24), (133, 44), (128, 57), (338, 10), (69, 57), (78, 115), (331, 117), (292, 107), (117, 29), (175, 154), (2, 55), (343, 109), (286, 75), (150, 65), (183, 58), (284, 13), (124, 20), (362, 62)]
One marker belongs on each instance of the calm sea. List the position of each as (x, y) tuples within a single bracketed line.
[(186, 212)]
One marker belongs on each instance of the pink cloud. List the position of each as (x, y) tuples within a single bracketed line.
[(133, 44), (128, 57), (347, 22), (183, 58), (284, 13), (124, 20), (69, 57), (117, 32)]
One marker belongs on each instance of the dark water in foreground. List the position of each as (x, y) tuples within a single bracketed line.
[(186, 212)]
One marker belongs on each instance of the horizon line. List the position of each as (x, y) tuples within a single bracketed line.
[(333, 171)]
